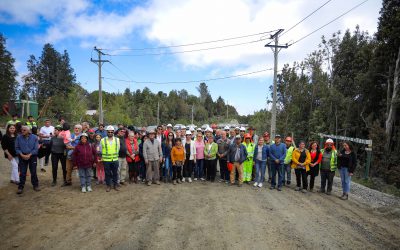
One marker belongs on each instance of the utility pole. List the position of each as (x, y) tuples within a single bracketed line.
[(158, 113), (227, 110), (275, 48), (100, 62), (192, 113)]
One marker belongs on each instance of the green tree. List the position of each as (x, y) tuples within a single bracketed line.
[(8, 82)]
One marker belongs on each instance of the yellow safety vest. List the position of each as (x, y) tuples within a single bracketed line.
[(31, 124), (109, 152), (250, 149)]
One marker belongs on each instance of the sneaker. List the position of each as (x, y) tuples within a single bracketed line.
[(89, 189), (279, 189), (174, 182), (108, 189), (116, 188), (66, 184), (158, 183), (328, 193), (260, 185), (202, 179), (183, 180), (19, 191), (271, 187), (83, 189), (190, 180), (304, 191), (344, 197), (195, 179), (37, 189), (255, 184), (297, 189), (149, 183), (221, 180)]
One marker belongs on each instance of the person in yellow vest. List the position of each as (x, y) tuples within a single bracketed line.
[(109, 148), (248, 163), (31, 122), (13, 121)]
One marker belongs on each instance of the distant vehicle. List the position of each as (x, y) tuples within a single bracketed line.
[(178, 126), (204, 126), (191, 126), (151, 128)]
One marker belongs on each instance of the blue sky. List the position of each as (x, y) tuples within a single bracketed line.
[(79, 25)]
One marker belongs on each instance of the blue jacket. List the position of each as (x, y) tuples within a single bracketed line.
[(277, 152), (232, 152), (265, 152), (102, 133), (27, 145), (166, 150)]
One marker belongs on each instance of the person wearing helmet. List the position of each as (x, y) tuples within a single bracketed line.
[(109, 147), (232, 135), (248, 163), (168, 130), (287, 170), (85, 157), (242, 132), (237, 131), (190, 157), (277, 155), (328, 166), (153, 156)]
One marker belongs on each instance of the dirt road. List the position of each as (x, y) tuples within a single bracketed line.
[(189, 216)]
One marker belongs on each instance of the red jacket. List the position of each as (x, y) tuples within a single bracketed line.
[(134, 150), (84, 155)]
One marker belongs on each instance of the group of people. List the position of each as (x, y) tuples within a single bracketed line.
[(117, 155)]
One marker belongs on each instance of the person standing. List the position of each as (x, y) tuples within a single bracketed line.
[(100, 131), (277, 155), (84, 158), (57, 149), (132, 157), (347, 162), (261, 153), (199, 168), (210, 158), (153, 156), (328, 166), (31, 122), (316, 158), (300, 163), (248, 163), (166, 149), (287, 169), (223, 148), (26, 147), (237, 155), (99, 164), (109, 155), (45, 134), (14, 120), (122, 154), (190, 157), (267, 141), (177, 159), (8, 145), (73, 142)]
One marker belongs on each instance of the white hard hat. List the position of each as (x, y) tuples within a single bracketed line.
[(110, 128), (242, 129), (209, 129), (169, 125), (226, 128), (237, 128), (191, 128), (188, 132), (198, 129), (329, 141)]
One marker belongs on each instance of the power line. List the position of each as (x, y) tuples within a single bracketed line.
[(302, 20), (192, 81), (323, 26), (192, 44), (193, 50)]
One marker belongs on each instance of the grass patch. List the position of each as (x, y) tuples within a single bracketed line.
[(377, 184)]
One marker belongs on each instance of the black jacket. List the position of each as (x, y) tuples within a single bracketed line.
[(352, 163), (8, 143)]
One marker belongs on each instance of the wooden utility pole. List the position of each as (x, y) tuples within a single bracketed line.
[(100, 62), (275, 48)]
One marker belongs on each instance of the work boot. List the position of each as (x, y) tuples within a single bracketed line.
[(20, 190), (116, 188), (37, 189), (174, 182), (108, 189)]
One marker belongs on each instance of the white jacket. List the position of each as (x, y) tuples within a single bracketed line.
[(192, 150)]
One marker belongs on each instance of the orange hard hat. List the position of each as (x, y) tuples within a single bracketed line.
[(289, 139), (247, 136)]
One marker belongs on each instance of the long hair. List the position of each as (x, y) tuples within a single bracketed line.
[(350, 145), (172, 141), (8, 130), (310, 146)]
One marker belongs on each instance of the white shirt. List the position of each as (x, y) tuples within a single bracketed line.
[(46, 131)]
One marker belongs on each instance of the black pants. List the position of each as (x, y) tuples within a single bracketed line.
[(55, 158), (211, 168), (133, 169), (223, 165), (327, 175), (312, 175), (176, 172), (188, 168), (23, 166), (301, 176)]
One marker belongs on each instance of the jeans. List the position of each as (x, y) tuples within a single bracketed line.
[(346, 179), (269, 170), (199, 169), (260, 171), (167, 169), (111, 170), (327, 175), (142, 170), (85, 176), (301, 177), (55, 158), (287, 172), (23, 166), (276, 168), (188, 168), (223, 169)]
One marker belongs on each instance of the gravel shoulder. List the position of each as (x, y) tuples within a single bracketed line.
[(194, 216)]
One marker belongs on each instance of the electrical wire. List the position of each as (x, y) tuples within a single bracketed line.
[(193, 50), (323, 26), (302, 20), (192, 81), (192, 44)]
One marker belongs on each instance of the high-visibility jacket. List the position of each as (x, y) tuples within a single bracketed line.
[(250, 150), (11, 122), (31, 124), (109, 152), (333, 159), (289, 152)]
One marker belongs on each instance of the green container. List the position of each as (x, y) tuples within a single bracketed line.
[(26, 108)]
